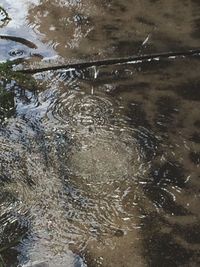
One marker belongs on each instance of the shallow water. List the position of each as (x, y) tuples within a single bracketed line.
[(100, 166)]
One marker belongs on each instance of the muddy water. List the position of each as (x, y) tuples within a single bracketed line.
[(78, 30), (100, 166)]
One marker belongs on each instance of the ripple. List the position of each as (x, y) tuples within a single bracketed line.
[(103, 173), (16, 53), (103, 165), (81, 109), (106, 155), (24, 191), (78, 208)]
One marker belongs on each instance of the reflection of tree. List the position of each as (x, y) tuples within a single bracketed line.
[(4, 17), (13, 85), (7, 104)]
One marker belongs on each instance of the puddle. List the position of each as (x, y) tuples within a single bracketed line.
[(100, 166)]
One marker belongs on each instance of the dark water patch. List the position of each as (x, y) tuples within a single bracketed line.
[(189, 90), (119, 233), (159, 188), (145, 21), (126, 47), (117, 6), (4, 179), (110, 28), (197, 123), (164, 200), (14, 229), (190, 233), (148, 142), (196, 2), (195, 138), (154, 1), (167, 109), (161, 246), (169, 173), (154, 66), (195, 157), (196, 28), (136, 114), (164, 251), (10, 258), (170, 43), (140, 87)]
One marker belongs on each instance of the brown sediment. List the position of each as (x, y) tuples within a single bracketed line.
[(115, 251)]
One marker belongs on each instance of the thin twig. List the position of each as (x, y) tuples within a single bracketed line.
[(114, 61)]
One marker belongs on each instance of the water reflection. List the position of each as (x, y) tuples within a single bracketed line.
[(99, 167), (4, 18), (100, 161), (7, 105), (76, 30), (134, 28), (18, 26), (82, 109)]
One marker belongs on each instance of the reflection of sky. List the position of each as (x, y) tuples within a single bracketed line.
[(19, 26), (18, 11), (35, 20)]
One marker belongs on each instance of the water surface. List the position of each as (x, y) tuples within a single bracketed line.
[(100, 166)]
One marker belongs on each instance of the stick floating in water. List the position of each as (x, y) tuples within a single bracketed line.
[(114, 61), (19, 40)]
